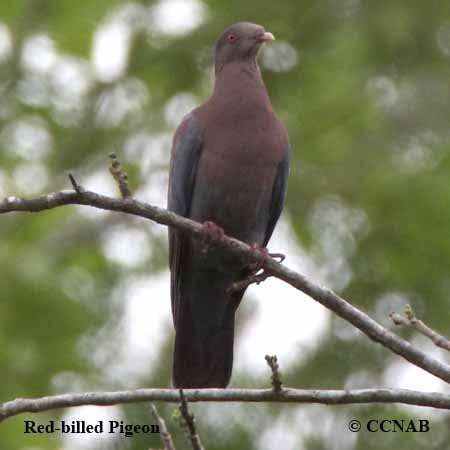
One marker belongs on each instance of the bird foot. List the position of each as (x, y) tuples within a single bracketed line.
[(211, 233), (258, 272), (255, 278), (266, 255)]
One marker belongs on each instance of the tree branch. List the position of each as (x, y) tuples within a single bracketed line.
[(119, 175), (79, 189), (325, 296), (287, 395), (411, 320), (272, 362), (166, 438), (189, 423)]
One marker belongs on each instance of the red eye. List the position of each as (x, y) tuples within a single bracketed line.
[(231, 38)]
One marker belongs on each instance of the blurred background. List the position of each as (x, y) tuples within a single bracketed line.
[(363, 88)]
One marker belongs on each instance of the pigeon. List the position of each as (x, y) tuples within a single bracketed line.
[(228, 170)]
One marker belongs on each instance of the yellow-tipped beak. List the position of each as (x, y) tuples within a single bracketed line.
[(267, 37)]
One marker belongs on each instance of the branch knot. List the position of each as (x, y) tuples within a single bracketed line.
[(277, 385), (120, 176)]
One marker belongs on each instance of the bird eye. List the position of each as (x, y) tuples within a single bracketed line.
[(231, 37)]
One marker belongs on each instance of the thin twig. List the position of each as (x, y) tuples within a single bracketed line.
[(252, 279), (326, 397), (410, 319), (166, 438), (189, 421), (77, 187), (120, 176), (277, 385), (323, 295)]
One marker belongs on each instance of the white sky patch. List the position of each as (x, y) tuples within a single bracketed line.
[(152, 150), (154, 191), (112, 39), (122, 102), (407, 376), (136, 145), (346, 331), (178, 106), (30, 178), (33, 90), (279, 435), (5, 42), (321, 422), (300, 423), (176, 17), (336, 228), (287, 319), (28, 138), (401, 374), (126, 351), (72, 77), (127, 246), (361, 379), (387, 303), (295, 426), (279, 56), (67, 381), (39, 54), (70, 84), (147, 313), (110, 49), (101, 182), (147, 148)]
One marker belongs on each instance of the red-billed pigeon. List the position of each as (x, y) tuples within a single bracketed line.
[(229, 166)]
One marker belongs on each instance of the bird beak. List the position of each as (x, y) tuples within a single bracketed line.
[(266, 37)]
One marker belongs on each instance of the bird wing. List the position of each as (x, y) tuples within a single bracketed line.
[(278, 194), (186, 149)]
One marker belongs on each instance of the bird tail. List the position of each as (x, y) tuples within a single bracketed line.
[(204, 326)]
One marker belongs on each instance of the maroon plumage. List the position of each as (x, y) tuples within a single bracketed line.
[(229, 165)]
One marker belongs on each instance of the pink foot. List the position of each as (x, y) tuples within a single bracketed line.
[(255, 267), (211, 233), (258, 272)]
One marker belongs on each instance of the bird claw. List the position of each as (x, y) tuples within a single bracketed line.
[(266, 255), (280, 256), (258, 272), (211, 233)]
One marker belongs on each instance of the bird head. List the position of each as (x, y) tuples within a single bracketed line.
[(240, 42)]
